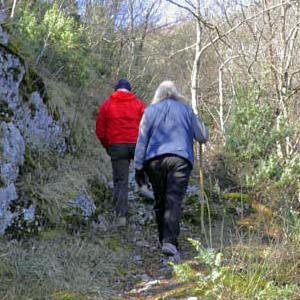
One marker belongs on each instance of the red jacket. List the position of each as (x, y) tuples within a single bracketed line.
[(119, 119)]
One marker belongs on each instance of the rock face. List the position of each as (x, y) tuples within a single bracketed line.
[(24, 122), (3, 34), (85, 204), (38, 128)]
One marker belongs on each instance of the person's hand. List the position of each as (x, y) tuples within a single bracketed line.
[(140, 177)]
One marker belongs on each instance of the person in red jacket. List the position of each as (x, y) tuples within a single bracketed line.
[(117, 128)]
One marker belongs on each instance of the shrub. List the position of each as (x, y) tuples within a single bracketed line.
[(252, 134), (251, 141), (219, 279), (54, 38)]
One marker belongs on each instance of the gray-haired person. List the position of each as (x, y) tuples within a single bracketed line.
[(164, 151)]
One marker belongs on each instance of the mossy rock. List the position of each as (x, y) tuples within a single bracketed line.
[(29, 198), (237, 197), (33, 160), (21, 228), (29, 164), (56, 114), (6, 114), (101, 194), (16, 46), (73, 219), (32, 82), (2, 184)]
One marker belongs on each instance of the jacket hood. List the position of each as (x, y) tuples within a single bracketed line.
[(122, 96)]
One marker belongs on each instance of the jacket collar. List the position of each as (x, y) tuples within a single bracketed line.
[(122, 96)]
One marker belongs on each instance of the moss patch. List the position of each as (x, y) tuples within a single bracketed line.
[(29, 164), (56, 114), (32, 82), (21, 228), (243, 198), (237, 197), (6, 114), (101, 194)]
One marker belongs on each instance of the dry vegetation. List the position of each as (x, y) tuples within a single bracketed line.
[(247, 94)]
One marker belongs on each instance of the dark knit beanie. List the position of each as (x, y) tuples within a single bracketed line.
[(123, 84)]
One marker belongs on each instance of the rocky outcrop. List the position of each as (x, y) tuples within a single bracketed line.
[(25, 121), (38, 127), (84, 203), (3, 34), (12, 157)]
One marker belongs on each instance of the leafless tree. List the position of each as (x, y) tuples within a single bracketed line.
[(13, 9), (268, 47), (142, 17)]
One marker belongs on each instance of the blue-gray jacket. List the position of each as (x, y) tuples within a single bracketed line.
[(168, 126)]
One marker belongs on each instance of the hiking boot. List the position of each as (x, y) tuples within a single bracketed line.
[(166, 260), (146, 193), (169, 249), (120, 222)]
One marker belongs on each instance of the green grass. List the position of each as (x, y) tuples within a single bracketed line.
[(91, 265), (59, 266), (250, 268)]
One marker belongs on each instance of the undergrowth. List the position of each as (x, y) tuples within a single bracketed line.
[(59, 266), (250, 269)]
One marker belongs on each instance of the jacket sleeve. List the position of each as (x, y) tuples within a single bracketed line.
[(142, 143), (200, 130), (101, 126)]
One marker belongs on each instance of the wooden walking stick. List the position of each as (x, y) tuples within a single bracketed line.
[(201, 183), (203, 198)]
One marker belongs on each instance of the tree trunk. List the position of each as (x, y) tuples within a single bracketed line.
[(195, 72), (13, 9)]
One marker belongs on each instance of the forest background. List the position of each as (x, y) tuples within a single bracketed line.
[(237, 62)]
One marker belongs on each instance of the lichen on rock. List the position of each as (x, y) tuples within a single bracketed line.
[(7, 196), (38, 127), (85, 204), (3, 34), (12, 149), (25, 123), (12, 152)]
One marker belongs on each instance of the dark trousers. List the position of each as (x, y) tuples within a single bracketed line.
[(120, 155), (169, 176)]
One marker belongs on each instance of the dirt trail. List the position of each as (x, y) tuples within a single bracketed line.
[(100, 261), (147, 277)]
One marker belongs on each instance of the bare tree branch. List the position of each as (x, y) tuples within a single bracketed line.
[(193, 13), (219, 35)]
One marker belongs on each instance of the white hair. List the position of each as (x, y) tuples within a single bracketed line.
[(167, 90)]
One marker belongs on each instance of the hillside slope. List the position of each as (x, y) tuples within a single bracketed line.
[(58, 239), (42, 184)]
